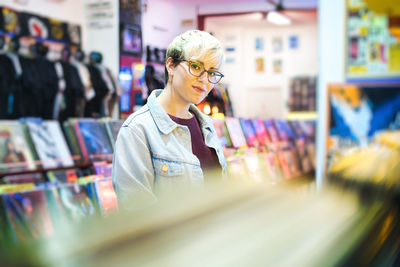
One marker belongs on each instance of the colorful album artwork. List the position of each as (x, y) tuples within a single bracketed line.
[(112, 128), (249, 132), (273, 167), (285, 164), (259, 43), (261, 132), (273, 134), (372, 46), (35, 178), (64, 176), (93, 139), (15, 154), (235, 132), (76, 202), (102, 168), (29, 215), (358, 113), (221, 130), (277, 65), (49, 143), (259, 63), (106, 196)]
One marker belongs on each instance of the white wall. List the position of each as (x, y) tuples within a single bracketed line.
[(104, 37), (68, 10), (264, 94), (331, 54), (159, 23)]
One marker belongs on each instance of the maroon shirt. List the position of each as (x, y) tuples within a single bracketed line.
[(207, 156)]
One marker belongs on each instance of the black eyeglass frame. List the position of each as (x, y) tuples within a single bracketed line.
[(204, 70)]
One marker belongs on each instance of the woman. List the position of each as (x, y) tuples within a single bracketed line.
[(169, 143)]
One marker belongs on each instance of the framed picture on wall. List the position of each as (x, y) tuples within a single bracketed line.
[(259, 43), (131, 40), (277, 45)]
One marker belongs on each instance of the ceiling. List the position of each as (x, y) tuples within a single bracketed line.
[(258, 19), (286, 3)]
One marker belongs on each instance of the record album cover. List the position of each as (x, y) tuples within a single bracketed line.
[(93, 140), (222, 133), (106, 196), (112, 128), (31, 214), (15, 154), (50, 144), (261, 132), (235, 132), (249, 132), (76, 202)]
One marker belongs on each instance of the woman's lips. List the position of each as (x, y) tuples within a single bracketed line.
[(199, 89)]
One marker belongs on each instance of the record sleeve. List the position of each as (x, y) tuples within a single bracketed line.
[(261, 132), (283, 161), (282, 133), (30, 211), (106, 197), (72, 142), (93, 140), (102, 168), (222, 132), (249, 132), (273, 167), (64, 176), (235, 132), (112, 128), (273, 134), (49, 144), (15, 154), (35, 178), (293, 162), (76, 202)]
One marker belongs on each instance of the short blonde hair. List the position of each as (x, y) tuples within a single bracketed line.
[(196, 45)]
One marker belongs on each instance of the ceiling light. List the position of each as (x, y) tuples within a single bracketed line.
[(278, 18)]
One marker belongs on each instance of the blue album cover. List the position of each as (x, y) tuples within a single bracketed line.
[(95, 139)]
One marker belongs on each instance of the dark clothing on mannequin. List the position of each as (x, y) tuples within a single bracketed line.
[(10, 89)]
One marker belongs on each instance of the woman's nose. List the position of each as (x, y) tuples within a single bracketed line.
[(203, 78)]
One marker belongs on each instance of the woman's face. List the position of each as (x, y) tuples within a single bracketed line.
[(191, 89)]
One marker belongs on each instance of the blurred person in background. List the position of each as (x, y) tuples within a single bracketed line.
[(169, 144)]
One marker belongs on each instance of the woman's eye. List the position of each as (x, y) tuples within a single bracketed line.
[(196, 67)]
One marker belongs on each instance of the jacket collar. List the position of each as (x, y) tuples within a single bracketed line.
[(164, 123)]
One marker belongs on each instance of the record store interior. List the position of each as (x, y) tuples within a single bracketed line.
[(302, 121)]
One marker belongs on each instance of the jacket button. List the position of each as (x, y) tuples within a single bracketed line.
[(164, 168)]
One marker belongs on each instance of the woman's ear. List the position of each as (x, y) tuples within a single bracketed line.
[(170, 66)]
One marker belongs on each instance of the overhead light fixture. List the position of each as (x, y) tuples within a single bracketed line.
[(278, 18)]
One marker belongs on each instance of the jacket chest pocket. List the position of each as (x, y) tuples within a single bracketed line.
[(167, 168)]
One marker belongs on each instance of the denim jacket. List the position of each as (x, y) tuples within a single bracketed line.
[(153, 154)]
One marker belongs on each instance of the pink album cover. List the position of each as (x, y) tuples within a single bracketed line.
[(235, 132), (249, 132), (261, 132)]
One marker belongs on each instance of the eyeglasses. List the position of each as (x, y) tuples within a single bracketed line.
[(197, 69)]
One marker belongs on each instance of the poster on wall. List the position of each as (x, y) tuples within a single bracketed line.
[(11, 20), (100, 14), (277, 45), (372, 52), (131, 40), (259, 44), (293, 42), (34, 25), (277, 65), (357, 113), (259, 64)]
